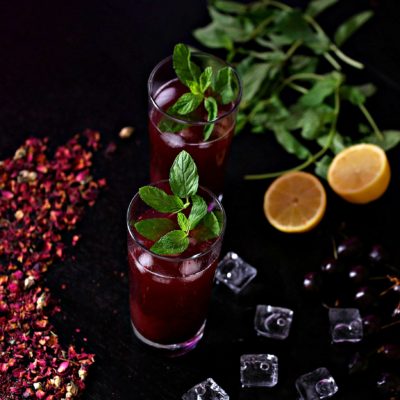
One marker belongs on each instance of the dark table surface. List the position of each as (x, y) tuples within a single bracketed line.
[(66, 66)]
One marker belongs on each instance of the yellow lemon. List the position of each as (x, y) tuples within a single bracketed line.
[(360, 173), (295, 202)]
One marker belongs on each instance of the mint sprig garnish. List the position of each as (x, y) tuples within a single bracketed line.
[(208, 88), (201, 223)]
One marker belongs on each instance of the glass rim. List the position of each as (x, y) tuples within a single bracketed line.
[(183, 120), (178, 258)]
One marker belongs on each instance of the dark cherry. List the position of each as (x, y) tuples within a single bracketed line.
[(390, 351), (377, 255), (331, 266), (350, 248), (371, 324), (388, 384), (312, 282), (364, 297), (358, 274)]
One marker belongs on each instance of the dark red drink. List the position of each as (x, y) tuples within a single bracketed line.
[(211, 155), (169, 295)]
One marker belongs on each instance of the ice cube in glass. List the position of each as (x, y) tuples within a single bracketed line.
[(316, 385), (273, 322), (345, 325), (234, 272), (207, 390), (258, 370)]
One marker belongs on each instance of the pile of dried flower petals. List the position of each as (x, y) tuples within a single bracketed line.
[(39, 199)]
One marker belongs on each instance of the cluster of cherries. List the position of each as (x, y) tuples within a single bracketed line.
[(362, 276)]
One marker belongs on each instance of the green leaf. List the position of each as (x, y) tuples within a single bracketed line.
[(321, 89), (350, 26), (293, 26), (322, 166), (290, 143), (194, 87), (253, 79), (183, 176), (212, 224), (338, 144), (169, 125), (183, 222), (182, 64), (316, 7), (159, 200), (223, 85), (172, 243), (198, 211), (300, 64), (311, 124), (391, 138), (238, 29), (209, 228), (154, 228), (187, 103), (230, 7), (357, 95), (205, 79), (210, 104), (184, 68), (213, 36)]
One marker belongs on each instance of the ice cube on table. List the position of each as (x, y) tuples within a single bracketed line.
[(316, 385), (345, 325), (207, 390), (258, 370), (234, 272), (273, 322)]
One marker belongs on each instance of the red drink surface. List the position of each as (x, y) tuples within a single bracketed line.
[(169, 296), (210, 156)]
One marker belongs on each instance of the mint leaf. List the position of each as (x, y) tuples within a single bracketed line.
[(198, 211), (183, 176), (211, 106), (194, 87), (350, 26), (391, 138), (184, 68), (187, 103), (174, 242), (183, 222), (154, 228), (168, 125), (212, 224), (159, 200), (208, 228), (223, 85), (205, 79)]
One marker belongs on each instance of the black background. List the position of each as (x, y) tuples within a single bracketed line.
[(67, 66)]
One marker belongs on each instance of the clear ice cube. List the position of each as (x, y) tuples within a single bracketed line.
[(234, 272), (258, 370), (207, 390), (316, 385), (273, 322), (173, 140), (345, 325)]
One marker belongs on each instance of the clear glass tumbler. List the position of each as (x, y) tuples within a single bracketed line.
[(169, 295), (210, 156)]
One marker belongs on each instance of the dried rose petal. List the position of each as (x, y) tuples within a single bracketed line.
[(39, 199)]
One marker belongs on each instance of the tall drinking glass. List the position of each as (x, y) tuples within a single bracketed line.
[(164, 88), (169, 295)]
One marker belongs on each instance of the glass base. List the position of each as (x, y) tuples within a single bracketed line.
[(173, 350)]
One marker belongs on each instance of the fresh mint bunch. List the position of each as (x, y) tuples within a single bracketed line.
[(207, 87), (294, 81), (184, 183)]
